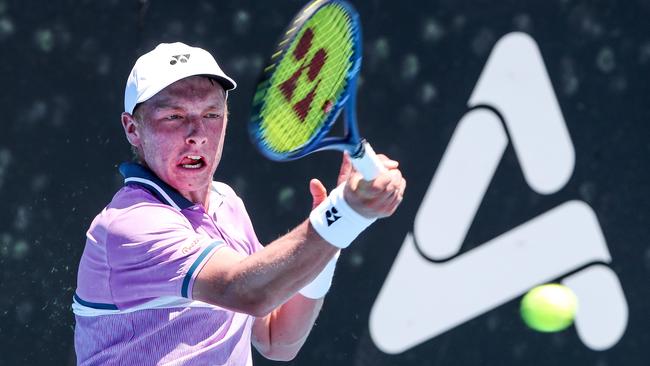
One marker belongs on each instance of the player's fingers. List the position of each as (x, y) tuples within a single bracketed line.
[(388, 162), (402, 187), (392, 206), (396, 179), (389, 199), (370, 190), (384, 184), (318, 192), (382, 190), (393, 192), (397, 185), (390, 202), (383, 206)]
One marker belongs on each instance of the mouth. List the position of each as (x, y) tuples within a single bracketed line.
[(192, 162)]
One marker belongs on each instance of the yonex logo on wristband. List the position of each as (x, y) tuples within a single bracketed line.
[(332, 209), (332, 215), (179, 58)]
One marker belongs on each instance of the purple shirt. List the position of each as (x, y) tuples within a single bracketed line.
[(133, 304)]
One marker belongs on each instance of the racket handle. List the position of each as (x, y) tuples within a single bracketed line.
[(366, 162)]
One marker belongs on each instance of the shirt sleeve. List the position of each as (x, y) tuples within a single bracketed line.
[(153, 251)]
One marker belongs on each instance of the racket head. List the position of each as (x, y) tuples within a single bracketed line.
[(307, 81)]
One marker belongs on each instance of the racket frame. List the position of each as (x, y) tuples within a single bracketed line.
[(351, 141)]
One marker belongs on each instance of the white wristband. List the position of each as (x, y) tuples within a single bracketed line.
[(335, 221), (317, 289)]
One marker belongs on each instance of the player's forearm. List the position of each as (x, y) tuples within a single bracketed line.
[(269, 278), (296, 259), (280, 335)]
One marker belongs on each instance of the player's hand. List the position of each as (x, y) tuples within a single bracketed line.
[(318, 192), (377, 198)]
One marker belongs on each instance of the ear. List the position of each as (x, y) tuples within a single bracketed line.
[(131, 131)]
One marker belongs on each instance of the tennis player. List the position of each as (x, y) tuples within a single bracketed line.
[(172, 272)]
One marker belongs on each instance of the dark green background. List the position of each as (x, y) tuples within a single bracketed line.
[(63, 69)]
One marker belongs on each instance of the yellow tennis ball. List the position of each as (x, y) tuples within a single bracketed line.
[(549, 308)]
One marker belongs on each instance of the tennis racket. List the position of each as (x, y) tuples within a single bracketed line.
[(310, 78)]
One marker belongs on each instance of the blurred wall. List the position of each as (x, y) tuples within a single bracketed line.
[(445, 301)]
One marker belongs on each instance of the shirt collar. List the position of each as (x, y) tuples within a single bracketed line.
[(139, 175)]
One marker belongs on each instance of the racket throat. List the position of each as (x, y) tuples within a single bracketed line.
[(360, 150)]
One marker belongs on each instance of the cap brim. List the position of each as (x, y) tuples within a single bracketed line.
[(225, 82)]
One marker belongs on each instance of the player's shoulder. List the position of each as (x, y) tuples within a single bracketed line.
[(133, 204), (133, 197), (223, 189), (222, 194)]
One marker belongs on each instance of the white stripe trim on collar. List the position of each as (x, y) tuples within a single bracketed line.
[(153, 185)]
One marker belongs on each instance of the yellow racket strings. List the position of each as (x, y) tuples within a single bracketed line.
[(307, 81)]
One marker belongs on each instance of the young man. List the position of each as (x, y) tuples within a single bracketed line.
[(172, 272)]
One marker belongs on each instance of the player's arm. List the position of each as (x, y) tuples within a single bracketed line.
[(280, 335), (260, 283)]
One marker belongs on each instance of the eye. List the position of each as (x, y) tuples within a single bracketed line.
[(213, 115), (172, 117)]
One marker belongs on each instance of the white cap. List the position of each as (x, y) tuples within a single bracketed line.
[(165, 65)]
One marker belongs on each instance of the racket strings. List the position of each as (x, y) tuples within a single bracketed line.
[(307, 81)]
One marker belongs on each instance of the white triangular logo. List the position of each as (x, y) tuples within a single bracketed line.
[(513, 101)]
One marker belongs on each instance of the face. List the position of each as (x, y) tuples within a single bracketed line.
[(179, 134)]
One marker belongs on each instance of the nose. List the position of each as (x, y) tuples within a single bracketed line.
[(197, 134)]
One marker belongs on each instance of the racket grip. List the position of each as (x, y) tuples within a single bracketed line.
[(367, 162)]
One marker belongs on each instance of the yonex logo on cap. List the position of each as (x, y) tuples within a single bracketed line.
[(179, 58), (332, 215)]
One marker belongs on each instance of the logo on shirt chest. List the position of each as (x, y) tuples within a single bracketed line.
[(188, 248)]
